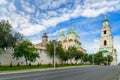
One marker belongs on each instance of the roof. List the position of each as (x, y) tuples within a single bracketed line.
[(105, 51), (45, 35), (105, 19), (71, 31), (40, 46)]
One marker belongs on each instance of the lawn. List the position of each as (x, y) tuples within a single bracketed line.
[(11, 68)]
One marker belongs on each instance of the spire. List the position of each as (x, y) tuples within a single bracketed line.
[(45, 35), (105, 19), (44, 38), (106, 22), (62, 33)]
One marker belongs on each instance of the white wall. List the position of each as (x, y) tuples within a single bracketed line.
[(6, 58)]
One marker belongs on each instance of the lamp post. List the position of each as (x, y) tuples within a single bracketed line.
[(54, 54), (93, 59)]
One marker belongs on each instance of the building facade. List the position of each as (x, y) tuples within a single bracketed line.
[(106, 41), (41, 47), (71, 39)]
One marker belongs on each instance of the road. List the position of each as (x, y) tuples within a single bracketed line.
[(79, 73)]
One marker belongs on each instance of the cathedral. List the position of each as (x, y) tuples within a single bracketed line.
[(71, 39), (106, 41)]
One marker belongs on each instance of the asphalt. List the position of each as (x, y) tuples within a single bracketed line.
[(78, 73)]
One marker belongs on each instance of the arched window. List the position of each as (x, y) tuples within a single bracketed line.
[(105, 42), (104, 32)]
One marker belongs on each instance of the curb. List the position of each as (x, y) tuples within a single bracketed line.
[(34, 70)]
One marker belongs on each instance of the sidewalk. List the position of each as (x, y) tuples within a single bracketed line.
[(34, 70)]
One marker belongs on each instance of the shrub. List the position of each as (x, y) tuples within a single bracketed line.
[(38, 64), (29, 64), (11, 64), (49, 64)]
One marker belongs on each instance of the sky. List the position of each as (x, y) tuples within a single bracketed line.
[(34, 17)]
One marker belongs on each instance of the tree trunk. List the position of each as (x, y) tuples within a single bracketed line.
[(26, 62), (76, 61)]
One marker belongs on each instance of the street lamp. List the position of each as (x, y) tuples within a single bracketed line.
[(54, 53), (93, 59), (94, 50)]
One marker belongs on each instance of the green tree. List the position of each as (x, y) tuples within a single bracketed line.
[(18, 38), (26, 49), (85, 57), (0, 51), (98, 58), (90, 57), (64, 57), (108, 59), (78, 55), (60, 53), (50, 49), (70, 52), (7, 37), (5, 33)]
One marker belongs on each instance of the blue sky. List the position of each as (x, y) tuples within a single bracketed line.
[(34, 17)]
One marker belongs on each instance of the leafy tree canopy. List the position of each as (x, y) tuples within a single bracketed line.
[(26, 49), (7, 37)]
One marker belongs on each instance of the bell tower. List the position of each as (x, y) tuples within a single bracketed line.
[(44, 38), (106, 39)]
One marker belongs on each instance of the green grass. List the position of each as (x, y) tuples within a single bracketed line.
[(8, 68), (68, 65)]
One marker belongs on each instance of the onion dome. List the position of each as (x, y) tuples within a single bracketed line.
[(71, 31)]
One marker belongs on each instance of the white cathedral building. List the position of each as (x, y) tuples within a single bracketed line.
[(106, 41), (70, 39)]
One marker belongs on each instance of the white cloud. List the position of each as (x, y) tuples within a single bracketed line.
[(3, 2), (91, 45), (31, 29), (11, 6), (116, 43), (57, 3), (27, 7), (57, 32), (22, 21), (87, 10), (51, 4)]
